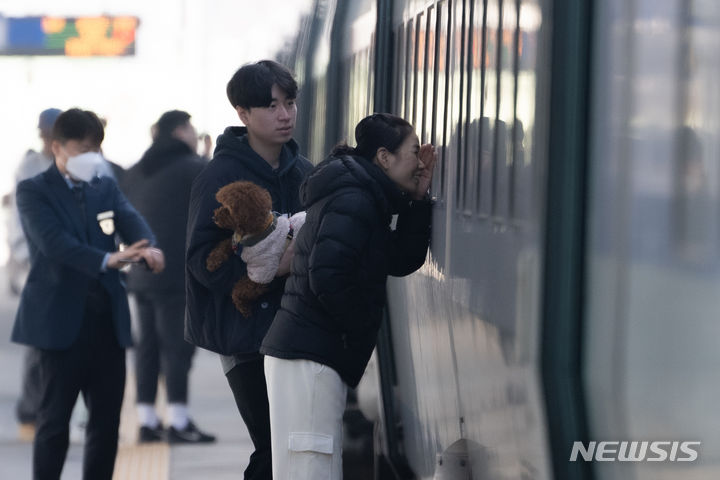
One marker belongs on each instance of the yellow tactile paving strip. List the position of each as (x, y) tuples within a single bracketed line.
[(142, 462), (135, 461)]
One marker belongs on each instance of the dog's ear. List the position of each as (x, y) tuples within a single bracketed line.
[(248, 206), (225, 195), (223, 218)]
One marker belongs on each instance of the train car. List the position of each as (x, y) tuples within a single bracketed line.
[(564, 321)]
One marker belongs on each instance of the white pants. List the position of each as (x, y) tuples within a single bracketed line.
[(307, 401)]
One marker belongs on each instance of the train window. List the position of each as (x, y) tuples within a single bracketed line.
[(478, 103), (472, 117), (488, 99), (429, 78), (347, 76), (477, 126), (369, 84), (694, 226), (440, 97), (418, 74), (369, 104), (319, 93), (359, 88), (514, 134), (360, 81), (399, 85), (506, 96), (409, 66), (529, 20), (357, 80), (459, 43), (359, 49)]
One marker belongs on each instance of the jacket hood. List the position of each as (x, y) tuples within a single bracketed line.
[(342, 172), (163, 152), (233, 142)]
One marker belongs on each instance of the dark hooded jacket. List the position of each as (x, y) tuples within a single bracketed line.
[(334, 298), (212, 321), (158, 186)]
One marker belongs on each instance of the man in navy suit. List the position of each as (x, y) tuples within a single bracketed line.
[(74, 307)]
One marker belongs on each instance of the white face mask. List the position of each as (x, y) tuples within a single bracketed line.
[(84, 166)]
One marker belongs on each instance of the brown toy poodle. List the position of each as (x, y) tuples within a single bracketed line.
[(245, 209)]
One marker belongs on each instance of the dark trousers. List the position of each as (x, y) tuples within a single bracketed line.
[(247, 381), (95, 366), (31, 389), (160, 346)]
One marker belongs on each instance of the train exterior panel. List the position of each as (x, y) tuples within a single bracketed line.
[(472, 311)]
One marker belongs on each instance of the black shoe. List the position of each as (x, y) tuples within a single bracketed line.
[(189, 434), (150, 434)]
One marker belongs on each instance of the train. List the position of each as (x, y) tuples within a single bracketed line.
[(566, 313)]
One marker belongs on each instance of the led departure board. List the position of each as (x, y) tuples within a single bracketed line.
[(108, 36)]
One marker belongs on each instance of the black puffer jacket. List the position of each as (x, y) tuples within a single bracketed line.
[(212, 321), (333, 301), (158, 186)]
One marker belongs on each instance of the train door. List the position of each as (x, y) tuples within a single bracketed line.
[(653, 262)]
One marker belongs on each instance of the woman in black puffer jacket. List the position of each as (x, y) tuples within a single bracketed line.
[(321, 338)]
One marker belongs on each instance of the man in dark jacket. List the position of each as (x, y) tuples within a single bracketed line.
[(263, 152), (159, 187), (74, 307)]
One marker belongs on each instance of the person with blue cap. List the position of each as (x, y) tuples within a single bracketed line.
[(47, 120), (36, 162), (18, 265)]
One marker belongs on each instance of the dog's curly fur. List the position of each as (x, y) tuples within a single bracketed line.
[(244, 209)]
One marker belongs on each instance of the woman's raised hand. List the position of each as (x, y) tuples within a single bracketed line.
[(428, 158)]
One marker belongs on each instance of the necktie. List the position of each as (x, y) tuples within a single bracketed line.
[(79, 195)]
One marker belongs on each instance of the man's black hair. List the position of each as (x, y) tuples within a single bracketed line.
[(251, 85), (76, 124), (169, 121)]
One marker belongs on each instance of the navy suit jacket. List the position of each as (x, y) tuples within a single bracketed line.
[(66, 253)]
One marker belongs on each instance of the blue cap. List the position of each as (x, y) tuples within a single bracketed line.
[(47, 118)]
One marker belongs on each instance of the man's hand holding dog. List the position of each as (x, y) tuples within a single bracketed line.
[(286, 260)]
